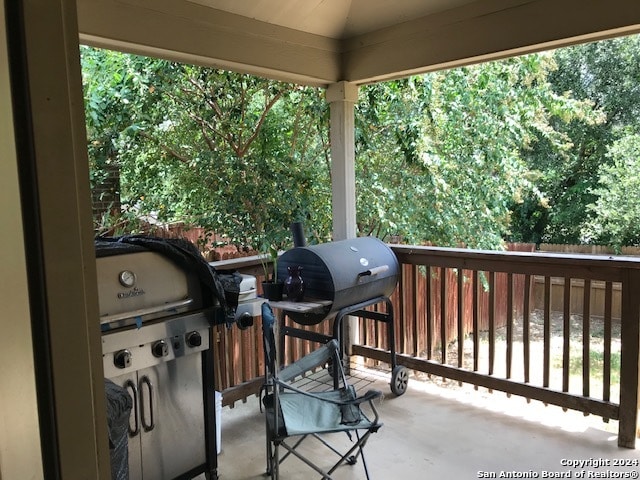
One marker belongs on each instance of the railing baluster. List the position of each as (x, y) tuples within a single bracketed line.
[(460, 329), (399, 321), (380, 334), (526, 347), (547, 332), (550, 267), (444, 313), (509, 323), (429, 313), (492, 321), (408, 313), (476, 323), (415, 329), (606, 377), (586, 339), (566, 334)]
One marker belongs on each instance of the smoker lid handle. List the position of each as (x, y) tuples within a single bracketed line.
[(374, 271), (165, 307)]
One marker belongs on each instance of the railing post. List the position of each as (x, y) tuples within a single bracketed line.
[(630, 356)]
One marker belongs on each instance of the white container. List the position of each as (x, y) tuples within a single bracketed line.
[(218, 421), (248, 289)]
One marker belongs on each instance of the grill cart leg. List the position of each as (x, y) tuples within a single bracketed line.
[(399, 373)]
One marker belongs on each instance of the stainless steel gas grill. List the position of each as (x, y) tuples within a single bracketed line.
[(156, 313), (343, 278)]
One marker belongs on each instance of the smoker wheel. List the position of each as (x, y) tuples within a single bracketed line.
[(399, 380)]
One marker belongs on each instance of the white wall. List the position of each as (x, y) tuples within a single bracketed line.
[(62, 238), (19, 433)]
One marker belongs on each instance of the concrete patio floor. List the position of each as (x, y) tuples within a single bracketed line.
[(445, 431)]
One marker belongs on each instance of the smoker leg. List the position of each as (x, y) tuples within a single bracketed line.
[(338, 335), (399, 373), (391, 333)]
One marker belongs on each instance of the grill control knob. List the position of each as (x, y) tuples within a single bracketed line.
[(244, 321), (160, 349), (194, 339), (122, 359)]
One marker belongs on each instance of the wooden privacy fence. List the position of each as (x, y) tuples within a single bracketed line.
[(447, 298)]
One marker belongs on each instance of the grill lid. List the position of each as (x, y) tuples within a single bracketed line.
[(346, 272), (212, 288), (143, 284)]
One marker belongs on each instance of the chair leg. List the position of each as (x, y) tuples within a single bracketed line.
[(351, 459), (269, 471), (273, 461), (361, 451), (269, 454), (276, 462), (291, 450)]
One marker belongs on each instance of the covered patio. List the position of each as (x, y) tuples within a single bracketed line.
[(520, 392), (442, 430), (51, 369)]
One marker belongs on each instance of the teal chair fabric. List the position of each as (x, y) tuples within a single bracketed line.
[(294, 414)]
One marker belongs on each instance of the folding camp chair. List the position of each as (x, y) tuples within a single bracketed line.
[(294, 414)]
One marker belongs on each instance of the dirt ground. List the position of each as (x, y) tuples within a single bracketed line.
[(536, 362)]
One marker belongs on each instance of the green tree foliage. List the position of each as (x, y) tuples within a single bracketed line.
[(233, 153), (439, 156), (605, 73), (111, 85), (616, 219)]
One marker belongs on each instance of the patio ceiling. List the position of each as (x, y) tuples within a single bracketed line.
[(320, 42)]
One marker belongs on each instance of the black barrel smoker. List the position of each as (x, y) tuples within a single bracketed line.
[(343, 278)]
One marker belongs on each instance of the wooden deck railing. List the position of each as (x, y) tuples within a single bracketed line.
[(469, 316), (458, 329)]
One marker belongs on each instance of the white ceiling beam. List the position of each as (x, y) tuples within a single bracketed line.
[(188, 32), (474, 32), (482, 31)]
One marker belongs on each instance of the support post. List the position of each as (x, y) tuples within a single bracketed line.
[(342, 97), (630, 357)]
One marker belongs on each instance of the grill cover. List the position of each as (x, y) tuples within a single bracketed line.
[(346, 272)]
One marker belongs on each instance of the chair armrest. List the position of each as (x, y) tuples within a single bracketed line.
[(367, 397)]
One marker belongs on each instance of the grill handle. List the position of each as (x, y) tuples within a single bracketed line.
[(145, 311), (151, 425), (129, 385), (374, 271)]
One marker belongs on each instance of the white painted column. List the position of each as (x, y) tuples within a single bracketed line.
[(342, 97)]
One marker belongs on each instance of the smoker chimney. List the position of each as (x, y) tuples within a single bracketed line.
[(298, 234)]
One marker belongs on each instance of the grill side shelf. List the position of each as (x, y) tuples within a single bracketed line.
[(308, 306)]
